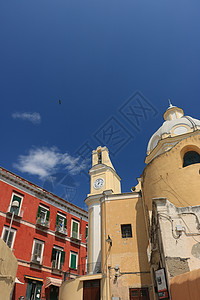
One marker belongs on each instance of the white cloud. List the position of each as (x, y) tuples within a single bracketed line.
[(34, 117), (44, 161)]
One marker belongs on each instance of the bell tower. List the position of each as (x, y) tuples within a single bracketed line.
[(103, 175), (104, 180)]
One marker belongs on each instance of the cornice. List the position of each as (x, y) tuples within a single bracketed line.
[(36, 191)]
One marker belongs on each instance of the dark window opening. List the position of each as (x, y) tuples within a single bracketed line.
[(99, 158), (191, 158), (126, 231)]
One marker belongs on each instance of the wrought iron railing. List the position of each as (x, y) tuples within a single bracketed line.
[(42, 222), (60, 229), (76, 236), (17, 213)]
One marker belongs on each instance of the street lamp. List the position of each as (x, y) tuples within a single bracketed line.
[(15, 205)]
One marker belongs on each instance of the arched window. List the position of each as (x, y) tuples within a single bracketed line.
[(191, 158)]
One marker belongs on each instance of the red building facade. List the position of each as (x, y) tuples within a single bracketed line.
[(47, 234)]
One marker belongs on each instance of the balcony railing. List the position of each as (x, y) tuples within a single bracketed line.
[(76, 236), (36, 259), (42, 223), (60, 230), (17, 214), (83, 269), (56, 265)]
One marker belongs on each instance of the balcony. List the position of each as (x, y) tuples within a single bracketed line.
[(42, 223), (75, 236), (17, 214), (36, 259), (60, 230)]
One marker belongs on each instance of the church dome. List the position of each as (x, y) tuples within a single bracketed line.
[(175, 124)]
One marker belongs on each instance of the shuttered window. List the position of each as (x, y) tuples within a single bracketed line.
[(75, 229), (73, 260), (57, 258), (86, 232)]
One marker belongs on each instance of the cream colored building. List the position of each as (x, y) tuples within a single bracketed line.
[(8, 270), (123, 253)]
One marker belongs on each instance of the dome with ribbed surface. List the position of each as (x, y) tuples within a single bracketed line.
[(175, 124)]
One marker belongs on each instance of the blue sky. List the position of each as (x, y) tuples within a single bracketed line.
[(94, 56)]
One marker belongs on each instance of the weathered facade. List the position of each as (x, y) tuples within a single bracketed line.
[(136, 248)]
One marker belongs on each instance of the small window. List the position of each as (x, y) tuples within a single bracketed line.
[(61, 223), (86, 232), (43, 215), (8, 235), (99, 158), (73, 260), (57, 258), (75, 229), (191, 158), (15, 204), (37, 251), (126, 231)]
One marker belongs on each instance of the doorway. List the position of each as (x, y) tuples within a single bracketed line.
[(91, 290), (139, 294)]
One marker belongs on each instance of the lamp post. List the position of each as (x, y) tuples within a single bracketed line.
[(15, 205)]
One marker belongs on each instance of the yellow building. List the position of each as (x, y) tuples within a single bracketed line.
[(122, 260)]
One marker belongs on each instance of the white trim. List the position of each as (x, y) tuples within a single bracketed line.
[(49, 231), (33, 248), (74, 253), (41, 194), (18, 195), (75, 221), (11, 230)]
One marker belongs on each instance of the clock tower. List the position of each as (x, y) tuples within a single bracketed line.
[(104, 180)]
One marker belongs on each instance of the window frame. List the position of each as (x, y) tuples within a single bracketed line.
[(64, 223), (11, 200), (123, 233), (78, 233), (70, 260), (59, 264), (14, 234), (186, 160), (47, 214), (33, 248)]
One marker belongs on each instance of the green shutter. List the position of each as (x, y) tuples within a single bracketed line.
[(28, 290), (53, 254), (48, 215), (63, 257), (73, 261), (57, 219), (65, 223), (75, 227), (38, 212), (86, 232)]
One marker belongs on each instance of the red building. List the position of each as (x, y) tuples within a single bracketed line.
[(47, 234)]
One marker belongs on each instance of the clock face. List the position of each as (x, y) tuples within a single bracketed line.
[(98, 183)]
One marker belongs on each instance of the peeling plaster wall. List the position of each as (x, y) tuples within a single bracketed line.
[(181, 248)]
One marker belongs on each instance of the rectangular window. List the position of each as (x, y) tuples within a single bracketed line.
[(61, 223), (73, 260), (37, 251), (43, 215), (75, 229), (126, 231), (57, 258), (15, 204), (86, 232), (8, 235)]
